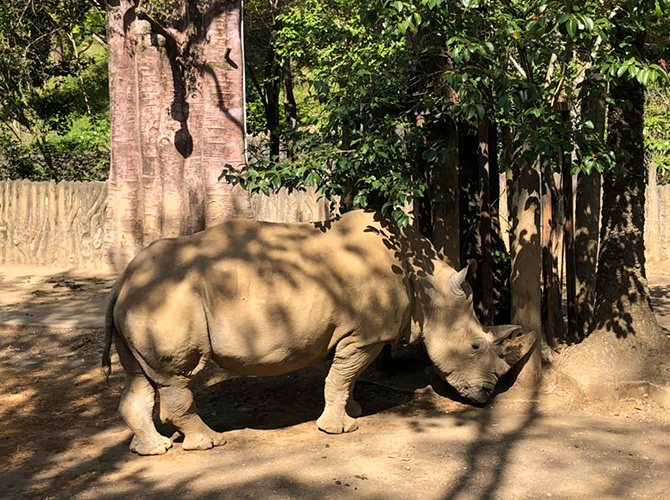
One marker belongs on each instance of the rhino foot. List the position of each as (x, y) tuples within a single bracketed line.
[(333, 425), (203, 441), (156, 446)]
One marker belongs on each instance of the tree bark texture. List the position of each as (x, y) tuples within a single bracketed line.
[(526, 254), (625, 343), (621, 280), (445, 199), (177, 117), (587, 223)]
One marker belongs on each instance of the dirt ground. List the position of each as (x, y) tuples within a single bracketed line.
[(60, 436)]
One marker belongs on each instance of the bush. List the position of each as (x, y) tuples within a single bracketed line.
[(82, 153)]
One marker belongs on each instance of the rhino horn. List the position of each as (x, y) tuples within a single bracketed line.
[(515, 344), (455, 282)]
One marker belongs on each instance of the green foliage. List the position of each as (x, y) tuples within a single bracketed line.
[(355, 80), (81, 152), (381, 74), (53, 76), (657, 130)]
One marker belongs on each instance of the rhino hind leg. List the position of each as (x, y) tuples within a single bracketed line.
[(348, 363), (136, 408), (178, 408)]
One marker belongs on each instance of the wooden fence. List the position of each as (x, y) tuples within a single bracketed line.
[(62, 224), (52, 224)]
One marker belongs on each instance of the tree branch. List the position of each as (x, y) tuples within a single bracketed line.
[(517, 66), (257, 85)]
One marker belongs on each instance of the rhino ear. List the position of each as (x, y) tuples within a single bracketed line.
[(455, 282)]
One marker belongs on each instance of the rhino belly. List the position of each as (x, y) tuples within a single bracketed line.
[(265, 334), (271, 351)]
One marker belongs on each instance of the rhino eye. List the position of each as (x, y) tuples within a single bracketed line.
[(475, 346)]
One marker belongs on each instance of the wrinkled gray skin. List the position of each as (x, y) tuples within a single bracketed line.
[(265, 299)]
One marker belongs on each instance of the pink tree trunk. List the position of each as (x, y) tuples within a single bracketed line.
[(177, 117)]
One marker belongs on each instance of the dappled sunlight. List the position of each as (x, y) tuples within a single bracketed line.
[(33, 295), (66, 440)]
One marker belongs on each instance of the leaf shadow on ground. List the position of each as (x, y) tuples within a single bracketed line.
[(60, 437)]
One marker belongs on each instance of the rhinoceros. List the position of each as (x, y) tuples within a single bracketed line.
[(265, 299)]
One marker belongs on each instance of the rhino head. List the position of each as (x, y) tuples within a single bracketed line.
[(469, 356)]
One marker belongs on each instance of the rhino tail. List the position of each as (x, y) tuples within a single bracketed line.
[(110, 329)]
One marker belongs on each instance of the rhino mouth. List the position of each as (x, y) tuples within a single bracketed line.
[(479, 395), (475, 393)]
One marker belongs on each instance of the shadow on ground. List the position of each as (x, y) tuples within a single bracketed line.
[(61, 438)]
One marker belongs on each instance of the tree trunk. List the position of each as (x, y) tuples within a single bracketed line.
[(271, 89), (177, 116), (627, 343), (621, 281), (553, 327), (526, 254), (445, 199), (290, 106), (470, 215), (485, 221), (569, 229), (587, 222)]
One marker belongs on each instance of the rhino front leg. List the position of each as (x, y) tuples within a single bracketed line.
[(349, 362), (178, 408)]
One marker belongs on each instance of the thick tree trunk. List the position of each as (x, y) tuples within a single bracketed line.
[(587, 222), (621, 282), (177, 116), (626, 344)]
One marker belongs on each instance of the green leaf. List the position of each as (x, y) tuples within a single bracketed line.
[(571, 27), (360, 200)]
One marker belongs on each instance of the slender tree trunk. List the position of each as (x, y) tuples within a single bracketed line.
[(587, 222), (494, 176), (290, 106), (553, 327), (569, 229), (272, 88), (177, 116), (485, 222), (507, 154), (445, 199), (526, 253)]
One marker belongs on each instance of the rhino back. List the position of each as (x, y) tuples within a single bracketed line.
[(269, 298)]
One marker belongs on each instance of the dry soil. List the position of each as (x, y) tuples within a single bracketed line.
[(60, 436)]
